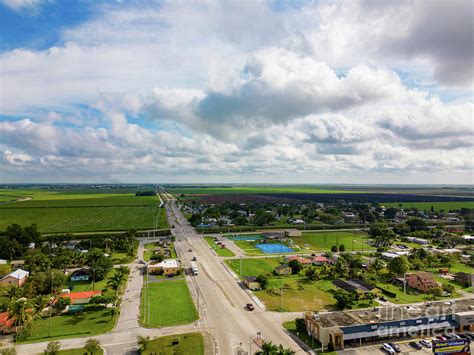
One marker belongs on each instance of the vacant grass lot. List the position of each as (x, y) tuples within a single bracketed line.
[(323, 241), (83, 219), (438, 206), (191, 343), (219, 251), (170, 304), (248, 247), (254, 267), (68, 326)]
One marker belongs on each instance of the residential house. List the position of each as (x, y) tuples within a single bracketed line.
[(16, 264), (463, 278), (252, 283), (168, 267), (418, 240), (81, 275), (6, 323), (80, 297), (283, 270), (321, 260), (15, 278), (302, 260), (422, 281)]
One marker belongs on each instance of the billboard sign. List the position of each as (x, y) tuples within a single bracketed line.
[(452, 347)]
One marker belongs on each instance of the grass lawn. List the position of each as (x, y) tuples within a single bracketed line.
[(438, 206), (254, 267), (170, 304), (303, 336), (80, 351), (323, 241), (248, 248), (151, 246), (219, 251), (191, 343), (68, 326), (412, 296), (79, 286), (460, 267)]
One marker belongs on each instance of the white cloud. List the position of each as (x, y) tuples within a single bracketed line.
[(20, 5)]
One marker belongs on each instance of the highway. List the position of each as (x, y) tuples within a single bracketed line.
[(221, 300)]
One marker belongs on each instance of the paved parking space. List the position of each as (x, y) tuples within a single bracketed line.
[(377, 349)]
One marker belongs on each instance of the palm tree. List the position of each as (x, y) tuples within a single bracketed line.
[(92, 346), (115, 281), (13, 293), (39, 303), (143, 343), (19, 312), (268, 348)]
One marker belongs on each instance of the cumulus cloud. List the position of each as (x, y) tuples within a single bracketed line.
[(20, 5)]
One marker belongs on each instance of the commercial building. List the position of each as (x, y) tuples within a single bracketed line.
[(371, 325), (168, 267)]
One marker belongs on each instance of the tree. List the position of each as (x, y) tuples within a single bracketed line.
[(20, 313), (448, 288), (344, 299), (39, 303), (115, 281), (334, 249), (61, 303), (342, 248), (416, 224), (398, 266), (143, 343), (268, 348), (11, 294), (8, 351), (92, 346), (300, 325), (384, 238), (311, 274), (263, 281), (295, 266), (44, 282), (37, 261), (52, 348), (99, 264)]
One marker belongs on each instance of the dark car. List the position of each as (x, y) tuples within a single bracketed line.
[(416, 345), (383, 299), (249, 306), (395, 347), (194, 258), (190, 250)]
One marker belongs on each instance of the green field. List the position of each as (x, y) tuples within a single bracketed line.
[(438, 206), (257, 190), (323, 241), (84, 219), (219, 251), (254, 267), (88, 200), (191, 343), (80, 286), (170, 304), (68, 326)]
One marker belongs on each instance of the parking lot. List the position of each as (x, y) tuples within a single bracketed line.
[(377, 349)]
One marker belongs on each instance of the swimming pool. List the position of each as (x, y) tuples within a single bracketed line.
[(274, 248)]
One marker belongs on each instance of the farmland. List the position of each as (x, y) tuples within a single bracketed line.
[(257, 190), (81, 211), (438, 206)]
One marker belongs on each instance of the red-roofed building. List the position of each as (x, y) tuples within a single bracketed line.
[(6, 323), (80, 297), (303, 261), (321, 259)]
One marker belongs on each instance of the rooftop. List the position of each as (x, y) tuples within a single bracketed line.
[(393, 313), (18, 274)]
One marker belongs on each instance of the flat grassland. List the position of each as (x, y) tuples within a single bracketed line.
[(438, 206), (219, 251), (84, 211), (73, 325), (170, 304), (191, 343), (323, 241)]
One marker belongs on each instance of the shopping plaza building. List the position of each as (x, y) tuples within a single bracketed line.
[(392, 322)]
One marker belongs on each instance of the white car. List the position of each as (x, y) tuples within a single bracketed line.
[(388, 348), (425, 343)]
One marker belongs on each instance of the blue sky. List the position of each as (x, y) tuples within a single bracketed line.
[(258, 91)]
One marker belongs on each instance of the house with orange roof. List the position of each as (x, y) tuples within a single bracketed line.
[(80, 297), (6, 323)]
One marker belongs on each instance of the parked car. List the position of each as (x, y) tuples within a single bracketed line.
[(441, 337), (415, 345), (142, 262), (249, 306), (194, 258), (455, 336), (395, 347), (383, 299), (387, 348), (190, 250), (464, 336), (425, 343), (469, 335)]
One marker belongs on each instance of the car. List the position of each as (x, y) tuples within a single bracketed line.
[(190, 250), (415, 345), (448, 336), (395, 347), (383, 299), (249, 306), (440, 337), (142, 262), (194, 258), (464, 336), (469, 335), (425, 343), (387, 348)]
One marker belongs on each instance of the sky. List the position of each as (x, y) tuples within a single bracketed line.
[(363, 91)]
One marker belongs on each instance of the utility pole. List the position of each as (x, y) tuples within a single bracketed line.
[(51, 303)]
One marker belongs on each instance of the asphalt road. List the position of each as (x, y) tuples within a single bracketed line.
[(221, 300)]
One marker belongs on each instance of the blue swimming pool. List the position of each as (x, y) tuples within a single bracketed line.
[(274, 248), (247, 237)]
